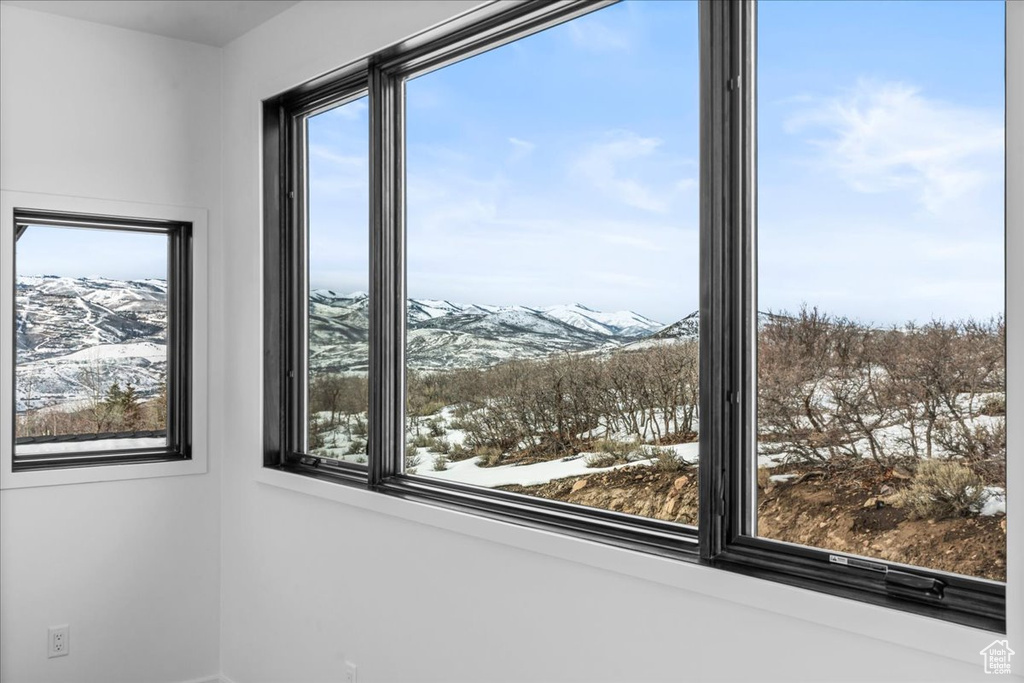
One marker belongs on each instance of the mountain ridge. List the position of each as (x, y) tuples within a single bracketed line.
[(71, 328)]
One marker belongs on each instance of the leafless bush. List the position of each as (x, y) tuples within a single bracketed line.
[(664, 459), (833, 390), (412, 461), (438, 445), (941, 490), (459, 452)]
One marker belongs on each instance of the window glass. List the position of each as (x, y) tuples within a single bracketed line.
[(338, 220), (552, 250), (91, 340), (881, 357)]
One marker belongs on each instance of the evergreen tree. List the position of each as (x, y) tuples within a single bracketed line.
[(131, 411), (114, 396)]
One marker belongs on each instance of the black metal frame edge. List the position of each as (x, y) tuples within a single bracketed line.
[(626, 531), (179, 344), (99, 436), (285, 277)]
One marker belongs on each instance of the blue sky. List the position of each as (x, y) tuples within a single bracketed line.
[(880, 158), (81, 252), (563, 167)]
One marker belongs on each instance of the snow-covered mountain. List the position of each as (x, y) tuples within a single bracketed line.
[(619, 324), (685, 329), (77, 335), (444, 334), (74, 336)]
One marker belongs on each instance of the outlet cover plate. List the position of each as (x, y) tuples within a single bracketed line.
[(57, 644)]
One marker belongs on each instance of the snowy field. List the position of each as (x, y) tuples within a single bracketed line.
[(421, 460), (88, 446)]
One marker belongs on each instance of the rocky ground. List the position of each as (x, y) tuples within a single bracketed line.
[(643, 491), (845, 512)]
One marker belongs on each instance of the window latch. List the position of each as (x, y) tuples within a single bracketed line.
[(897, 583), (733, 83), (913, 586)]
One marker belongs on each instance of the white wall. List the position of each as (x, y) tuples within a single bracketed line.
[(309, 581), (133, 566)]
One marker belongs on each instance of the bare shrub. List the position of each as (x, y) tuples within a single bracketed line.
[(422, 441), (459, 452), (602, 460), (436, 428), (941, 490), (664, 459), (623, 450), (972, 440), (412, 461), (489, 456), (339, 395), (438, 445), (611, 452), (994, 406), (440, 463)]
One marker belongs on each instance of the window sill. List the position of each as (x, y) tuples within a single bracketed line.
[(899, 628), (114, 472)]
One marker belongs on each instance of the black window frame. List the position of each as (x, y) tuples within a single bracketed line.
[(178, 432), (727, 402)]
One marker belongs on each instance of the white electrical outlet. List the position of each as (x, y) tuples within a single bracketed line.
[(58, 643), (350, 672)]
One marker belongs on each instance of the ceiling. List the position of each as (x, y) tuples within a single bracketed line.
[(198, 21)]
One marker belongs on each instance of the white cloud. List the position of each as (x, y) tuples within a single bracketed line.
[(600, 165), (686, 184), (327, 154), (591, 34), (622, 239), (521, 148), (888, 136)]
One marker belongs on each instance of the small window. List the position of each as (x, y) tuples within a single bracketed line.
[(101, 320)]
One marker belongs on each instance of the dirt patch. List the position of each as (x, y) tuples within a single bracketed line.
[(850, 515), (638, 490), (846, 512)]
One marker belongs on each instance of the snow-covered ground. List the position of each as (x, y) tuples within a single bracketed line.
[(420, 460), (106, 352), (469, 472), (995, 502), (88, 446)]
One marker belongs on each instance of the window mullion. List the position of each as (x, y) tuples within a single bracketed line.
[(716, 200), (387, 277)]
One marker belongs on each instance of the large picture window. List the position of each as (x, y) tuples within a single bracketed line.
[(102, 315), (552, 257), (661, 275)]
